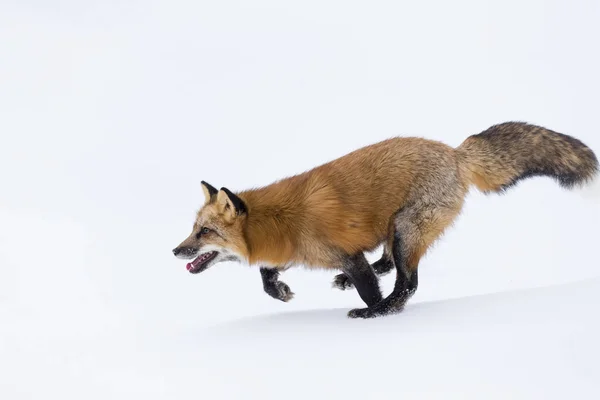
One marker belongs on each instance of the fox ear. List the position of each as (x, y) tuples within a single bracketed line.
[(230, 204), (209, 192)]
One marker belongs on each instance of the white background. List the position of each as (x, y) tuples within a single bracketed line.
[(112, 112)]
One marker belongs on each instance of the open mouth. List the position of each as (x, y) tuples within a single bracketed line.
[(200, 263)]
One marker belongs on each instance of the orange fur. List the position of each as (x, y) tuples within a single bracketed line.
[(341, 207)]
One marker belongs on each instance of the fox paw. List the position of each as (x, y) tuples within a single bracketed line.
[(342, 282), (362, 313), (280, 291), (383, 308)]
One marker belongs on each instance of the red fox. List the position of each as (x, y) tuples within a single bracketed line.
[(401, 193)]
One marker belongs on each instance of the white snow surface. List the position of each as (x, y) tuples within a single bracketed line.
[(112, 112)]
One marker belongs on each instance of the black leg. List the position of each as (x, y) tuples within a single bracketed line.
[(361, 274), (415, 227), (273, 286), (406, 285), (381, 267)]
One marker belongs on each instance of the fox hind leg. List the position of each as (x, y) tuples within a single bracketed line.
[(381, 267), (416, 228), (362, 276)]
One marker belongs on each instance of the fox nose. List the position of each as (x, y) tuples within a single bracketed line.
[(176, 251)]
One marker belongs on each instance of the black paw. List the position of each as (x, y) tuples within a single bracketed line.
[(362, 313), (280, 291), (383, 308), (342, 282)]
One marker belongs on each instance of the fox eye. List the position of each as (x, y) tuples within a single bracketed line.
[(203, 231)]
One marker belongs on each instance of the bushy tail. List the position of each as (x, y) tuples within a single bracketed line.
[(504, 154)]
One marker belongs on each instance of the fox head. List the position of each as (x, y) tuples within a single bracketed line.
[(218, 232)]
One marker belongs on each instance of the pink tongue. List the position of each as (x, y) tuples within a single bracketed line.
[(193, 264)]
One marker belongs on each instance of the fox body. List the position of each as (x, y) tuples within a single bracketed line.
[(401, 193)]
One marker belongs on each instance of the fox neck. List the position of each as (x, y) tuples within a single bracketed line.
[(272, 233)]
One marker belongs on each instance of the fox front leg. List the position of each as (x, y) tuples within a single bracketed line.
[(273, 286)]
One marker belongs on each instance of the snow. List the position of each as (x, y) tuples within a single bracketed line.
[(111, 113)]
